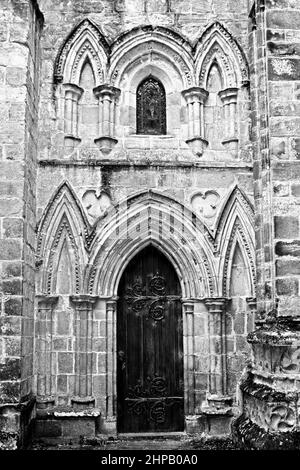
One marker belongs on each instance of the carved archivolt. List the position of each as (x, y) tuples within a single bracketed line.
[(217, 45), (98, 254), (63, 219), (235, 224), (85, 42), (147, 44), (152, 218)]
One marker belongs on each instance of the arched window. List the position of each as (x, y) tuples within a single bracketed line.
[(151, 107)]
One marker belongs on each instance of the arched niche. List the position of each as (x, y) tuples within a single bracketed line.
[(151, 51), (151, 107)]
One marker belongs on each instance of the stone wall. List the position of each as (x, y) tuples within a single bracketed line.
[(271, 390), (20, 31)]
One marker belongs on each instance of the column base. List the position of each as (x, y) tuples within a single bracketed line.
[(45, 402), (71, 142), (81, 403), (108, 426), (106, 144), (197, 145)]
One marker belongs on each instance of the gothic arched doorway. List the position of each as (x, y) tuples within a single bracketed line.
[(150, 346)]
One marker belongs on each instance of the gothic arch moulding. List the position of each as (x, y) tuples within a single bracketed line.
[(157, 52), (152, 45), (235, 226), (62, 231), (84, 43), (152, 218), (217, 46)]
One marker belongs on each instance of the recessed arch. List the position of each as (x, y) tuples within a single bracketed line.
[(151, 107), (85, 41), (218, 45), (152, 218)]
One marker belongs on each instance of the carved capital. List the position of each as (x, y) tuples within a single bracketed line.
[(216, 304), (229, 95), (106, 91), (195, 94), (73, 90), (83, 301)]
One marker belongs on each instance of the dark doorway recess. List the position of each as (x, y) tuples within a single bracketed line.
[(149, 346)]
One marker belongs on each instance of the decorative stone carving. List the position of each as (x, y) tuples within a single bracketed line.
[(195, 98), (107, 96), (96, 206), (217, 42), (84, 40), (206, 204)]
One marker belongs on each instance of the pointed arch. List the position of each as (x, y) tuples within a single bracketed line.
[(158, 46), (152, 218), (239, 279), (85, 42), (217, 45), (62, 220), (235, 224)]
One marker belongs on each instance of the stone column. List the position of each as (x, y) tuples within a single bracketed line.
[(110, 424), (45, 390), (188, 359), (195, 98), (71, 115), (83, 349), (217, 396), (107, 96), (251, 301), (229, 99)]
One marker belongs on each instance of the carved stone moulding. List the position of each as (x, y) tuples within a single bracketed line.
[(106, 144), (197, 145)]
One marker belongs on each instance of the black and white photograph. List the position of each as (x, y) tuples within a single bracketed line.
[(149, 228)]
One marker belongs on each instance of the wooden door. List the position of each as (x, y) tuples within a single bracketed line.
[(149, 346)]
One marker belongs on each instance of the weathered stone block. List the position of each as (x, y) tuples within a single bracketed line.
[(10, 249), (12, 286), (287, 267), (78, 427), (48, 428), (65, 363), (286, 227), (13, 306), (288, 248), (10, 369), (287, 286)]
